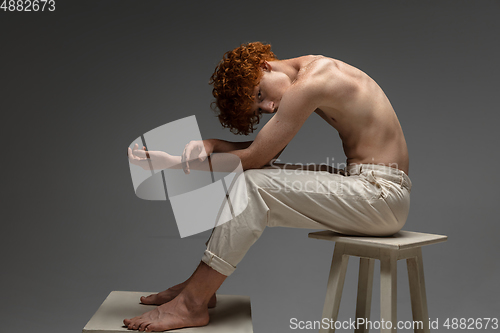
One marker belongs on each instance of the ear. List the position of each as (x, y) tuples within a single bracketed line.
[(266, 66)]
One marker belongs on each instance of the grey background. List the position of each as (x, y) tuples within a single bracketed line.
[(79, 84)]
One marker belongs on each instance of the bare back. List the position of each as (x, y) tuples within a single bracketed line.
[(362, 114)]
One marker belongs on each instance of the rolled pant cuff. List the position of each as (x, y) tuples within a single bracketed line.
[(217, 263)]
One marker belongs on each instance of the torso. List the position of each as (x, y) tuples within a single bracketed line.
[(362, 114)]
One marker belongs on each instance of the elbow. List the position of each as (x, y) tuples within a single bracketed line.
[(252, 160), (251, 165)]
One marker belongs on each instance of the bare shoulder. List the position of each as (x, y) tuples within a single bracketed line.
[(327, 77)]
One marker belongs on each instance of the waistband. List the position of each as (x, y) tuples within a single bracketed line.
[(392, 174)]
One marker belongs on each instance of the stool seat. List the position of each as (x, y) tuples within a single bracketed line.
[(401, 240), (402, 245)]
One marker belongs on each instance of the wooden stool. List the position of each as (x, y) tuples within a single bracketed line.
[(403, 245)]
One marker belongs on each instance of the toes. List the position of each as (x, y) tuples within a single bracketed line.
[(143, 325), (133, 323), (153, 328), (148, 299), (130, 322)]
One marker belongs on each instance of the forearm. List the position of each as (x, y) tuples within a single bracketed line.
[(159, 160), (222, 146), (250, 158), (227, 161), (219, 162)]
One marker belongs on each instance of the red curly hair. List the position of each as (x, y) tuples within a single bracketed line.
[(234, 80)]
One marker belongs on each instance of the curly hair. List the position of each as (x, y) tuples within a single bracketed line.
[(234, 80)]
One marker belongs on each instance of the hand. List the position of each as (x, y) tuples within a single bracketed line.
[(195, 150), (139, 157)]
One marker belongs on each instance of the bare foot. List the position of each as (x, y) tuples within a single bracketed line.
[(164, 296), (178, 313), (169, 294)]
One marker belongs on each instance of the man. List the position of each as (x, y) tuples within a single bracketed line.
[(371, 198)]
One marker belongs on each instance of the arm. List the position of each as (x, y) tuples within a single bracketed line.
[(222, 146), (296, 105), (325, 85), (153, 160), (300, 100), (159, 160), (197, 151)]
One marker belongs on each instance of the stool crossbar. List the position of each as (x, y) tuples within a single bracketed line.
[(403, 245)]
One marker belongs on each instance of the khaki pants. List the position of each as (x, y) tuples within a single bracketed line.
[(367, 199)]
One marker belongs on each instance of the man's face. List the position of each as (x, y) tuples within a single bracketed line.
[(269, 91)]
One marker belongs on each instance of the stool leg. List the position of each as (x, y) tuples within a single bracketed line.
[(335, 285), (388, 290), (365, 286), (417, 291)]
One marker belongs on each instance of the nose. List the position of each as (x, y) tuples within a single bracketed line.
[(268, 107)]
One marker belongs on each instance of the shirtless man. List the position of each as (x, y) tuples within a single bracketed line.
[(371, 198)]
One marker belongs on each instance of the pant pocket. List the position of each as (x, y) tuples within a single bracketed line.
[(361, 187), (374, 188)]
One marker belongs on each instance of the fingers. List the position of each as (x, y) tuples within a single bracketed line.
[(203, 154), (139, 153), (136, 154), (202, 157), (147, 154), (194, 150), (132, 158), (139, 157), (185, 158)]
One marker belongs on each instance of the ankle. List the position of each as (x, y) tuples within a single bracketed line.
[(192, 300)]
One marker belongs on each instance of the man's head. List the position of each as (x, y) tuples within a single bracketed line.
[(234, 82)]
